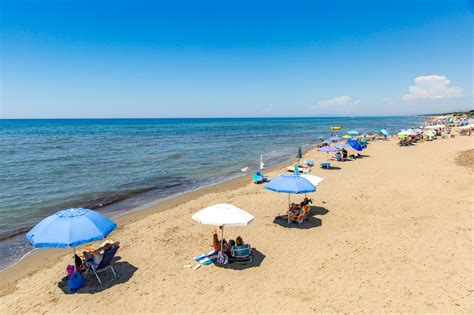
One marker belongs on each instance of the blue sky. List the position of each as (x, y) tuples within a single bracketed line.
[(234, 58)]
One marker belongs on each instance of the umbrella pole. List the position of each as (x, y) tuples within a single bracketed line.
[(222, 239), (74, 250), (288, 213)]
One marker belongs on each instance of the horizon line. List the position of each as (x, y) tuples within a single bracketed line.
[(211, 117)]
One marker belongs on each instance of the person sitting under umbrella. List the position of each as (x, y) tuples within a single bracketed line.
[(216, 243), (94, 257), (294, 209), (344, 154)]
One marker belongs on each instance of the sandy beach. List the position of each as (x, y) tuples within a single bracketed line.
[(390, 232)]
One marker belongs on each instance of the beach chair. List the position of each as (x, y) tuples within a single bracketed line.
[(241, 254), (325, 164), (298, 218), (259, 178), (309, 162), (338, 157), (105, 263)]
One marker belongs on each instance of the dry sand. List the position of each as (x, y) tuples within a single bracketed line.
[(391, 232)]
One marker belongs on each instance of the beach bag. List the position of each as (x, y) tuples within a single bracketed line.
[(222, 258), (76, 282), (69, 270)]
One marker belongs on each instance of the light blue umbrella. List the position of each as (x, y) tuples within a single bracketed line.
[(291, 184), (353, 133), (70, 228), (327, 149), (384, 132), (335, 138), (341, 146)]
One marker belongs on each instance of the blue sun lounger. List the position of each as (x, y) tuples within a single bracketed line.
[(259, 178)]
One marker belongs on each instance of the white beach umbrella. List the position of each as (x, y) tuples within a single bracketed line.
[(315, 180), (223, 215)]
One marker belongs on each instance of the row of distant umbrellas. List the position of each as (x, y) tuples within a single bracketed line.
[(351, 134)]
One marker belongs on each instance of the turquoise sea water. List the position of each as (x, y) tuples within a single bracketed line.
[(114, 165)]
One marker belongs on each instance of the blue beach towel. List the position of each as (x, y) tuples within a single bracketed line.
[(207, 259)]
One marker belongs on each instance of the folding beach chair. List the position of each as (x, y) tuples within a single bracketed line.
[(259, 178), (241, 254), (325, 164), (105, 263), (298, 218)]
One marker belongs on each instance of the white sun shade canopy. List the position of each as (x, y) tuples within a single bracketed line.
[(223, 215), (315, 180), (435, 127)]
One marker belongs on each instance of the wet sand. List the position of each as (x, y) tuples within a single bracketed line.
[(391, 232)]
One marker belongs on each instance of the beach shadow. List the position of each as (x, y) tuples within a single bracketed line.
[(123, 269), (315, 210), (309, 223), (257, 258), (332, 168)]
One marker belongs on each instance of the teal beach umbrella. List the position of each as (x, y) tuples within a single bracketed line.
[(299, 155)]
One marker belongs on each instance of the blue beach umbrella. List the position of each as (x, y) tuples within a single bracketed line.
[(335, 138), (384, 132), (70, 228), (355, 145), (353, 133), (290, 184)]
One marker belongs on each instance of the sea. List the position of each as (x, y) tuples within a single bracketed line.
[(120, 165)]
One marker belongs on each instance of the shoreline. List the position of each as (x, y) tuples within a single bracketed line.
[(276, 162), (31, 262)]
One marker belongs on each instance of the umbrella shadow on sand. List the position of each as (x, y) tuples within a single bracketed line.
[(315, 210), (309, 223), (123, 269), (257, 258), (331, 168)]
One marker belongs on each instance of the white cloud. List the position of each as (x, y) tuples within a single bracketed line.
[(339, 101), (432, 87)]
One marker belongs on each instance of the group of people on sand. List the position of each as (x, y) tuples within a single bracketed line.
[(226, 244), (296, 208), (341, 155)]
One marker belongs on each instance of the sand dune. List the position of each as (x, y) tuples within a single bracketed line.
[(391, 232)]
